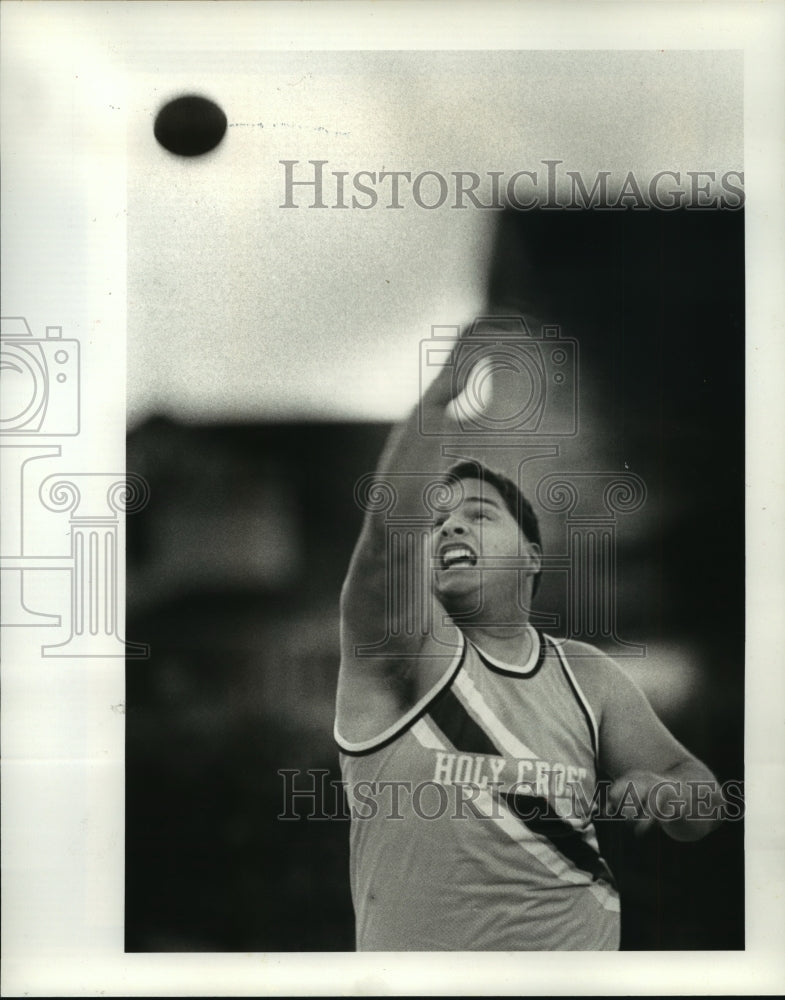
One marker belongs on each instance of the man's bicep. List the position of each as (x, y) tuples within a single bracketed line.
[(363, 595), (632, 736), (388, 592), (401, 649)]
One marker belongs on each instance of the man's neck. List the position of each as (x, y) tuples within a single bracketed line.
[(509, 643)]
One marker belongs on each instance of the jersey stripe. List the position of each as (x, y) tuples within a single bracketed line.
[(406, 720), (538, 814), (511, 746), (533, 843), (459, 727), (427, 736), (473, 700), (580, 697), (580, 846)]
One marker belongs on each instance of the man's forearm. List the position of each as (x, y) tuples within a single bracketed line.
[(685, 800), (410, 464)]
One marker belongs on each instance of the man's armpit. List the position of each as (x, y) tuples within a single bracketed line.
[(375, 699)]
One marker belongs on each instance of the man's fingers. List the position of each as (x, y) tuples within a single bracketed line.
[(468, 376), (442, 390), (479, 358)]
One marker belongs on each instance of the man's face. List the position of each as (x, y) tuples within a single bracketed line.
[(479, 551)]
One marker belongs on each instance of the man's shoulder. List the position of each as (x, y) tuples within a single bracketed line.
[(593, 670), (581, 655)]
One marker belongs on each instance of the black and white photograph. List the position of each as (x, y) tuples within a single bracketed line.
[(391, 526)]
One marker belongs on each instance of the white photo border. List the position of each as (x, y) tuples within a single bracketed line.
[(64, 264)]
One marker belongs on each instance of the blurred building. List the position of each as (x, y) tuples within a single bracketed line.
[(233, 576)]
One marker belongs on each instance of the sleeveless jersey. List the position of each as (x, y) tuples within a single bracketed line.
[(471, 819)]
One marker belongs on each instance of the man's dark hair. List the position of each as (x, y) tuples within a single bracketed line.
[(515, 502)]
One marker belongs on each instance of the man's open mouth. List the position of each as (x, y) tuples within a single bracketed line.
[(453, 556)]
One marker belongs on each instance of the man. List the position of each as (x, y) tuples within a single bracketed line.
[(472, 743)]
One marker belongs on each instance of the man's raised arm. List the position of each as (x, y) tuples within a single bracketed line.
[(395, 645)]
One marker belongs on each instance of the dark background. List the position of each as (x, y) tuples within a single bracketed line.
[(235, 567)]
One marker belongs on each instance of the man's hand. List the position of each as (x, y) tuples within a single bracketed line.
[(686, 801)]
